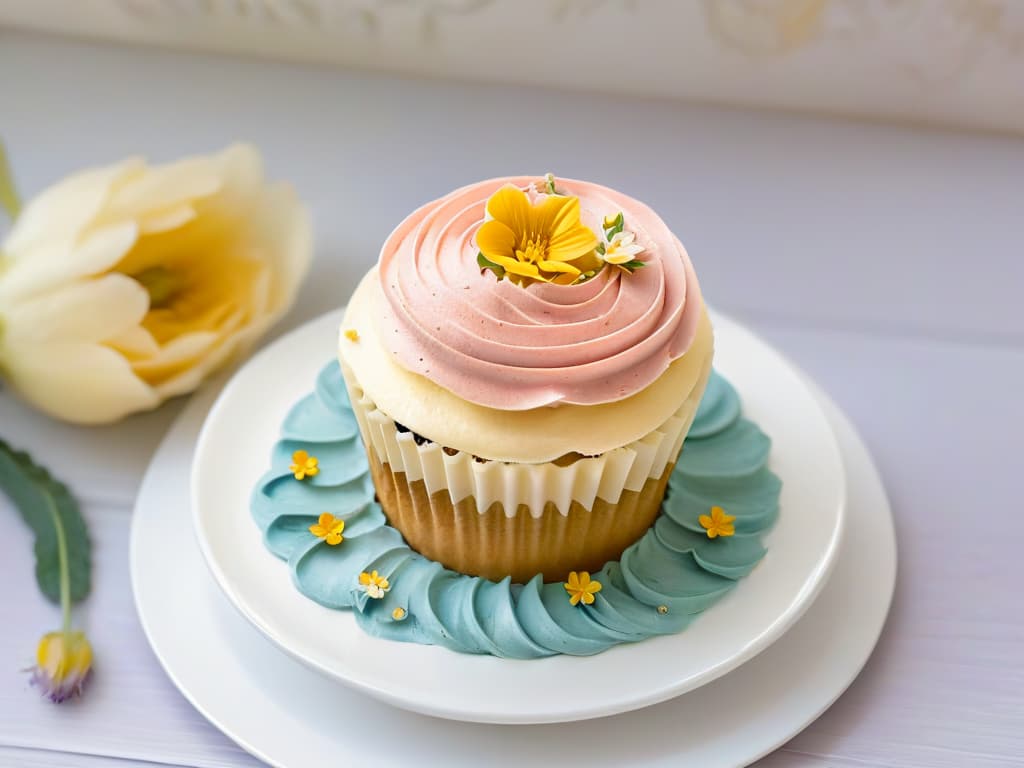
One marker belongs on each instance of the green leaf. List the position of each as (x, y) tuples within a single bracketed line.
[(33, 490), (616, 227), (486, 263), (633, 265)]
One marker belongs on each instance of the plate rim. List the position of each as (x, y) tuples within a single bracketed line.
[(881, 583), (800, 603)]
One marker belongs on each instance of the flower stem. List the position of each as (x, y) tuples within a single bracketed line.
[(62, 560), (9, 199)]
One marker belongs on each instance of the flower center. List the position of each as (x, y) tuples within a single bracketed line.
[(160, 283), (533, 251)]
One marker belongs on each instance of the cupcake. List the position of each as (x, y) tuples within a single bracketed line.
[(524, 363)]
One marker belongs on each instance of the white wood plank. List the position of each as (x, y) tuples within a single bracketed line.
[(944, 688), (131, 710)]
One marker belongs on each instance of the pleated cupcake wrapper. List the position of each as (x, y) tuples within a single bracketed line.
[(518, 484), (494, 545)]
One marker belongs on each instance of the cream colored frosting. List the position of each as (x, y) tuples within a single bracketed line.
[(532, 436), (510, 347), (526, 486)]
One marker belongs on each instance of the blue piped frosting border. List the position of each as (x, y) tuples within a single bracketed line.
[(657, 587)]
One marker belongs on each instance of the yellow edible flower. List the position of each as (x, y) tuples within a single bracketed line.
[(63, 661), (373, 584), (717, 523), (329, 528), (536, 243), (303, 465), (581, 588)]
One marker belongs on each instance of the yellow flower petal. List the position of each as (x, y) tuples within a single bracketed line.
[(364, 578), (587, 598), (333, 539), (495, 238), (705, 521), (575, 598), (510, 205), (299, 457), (558, 266), (515, 266)]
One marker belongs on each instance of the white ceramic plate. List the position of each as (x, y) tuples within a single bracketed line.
[(290, 715), (233, 452)]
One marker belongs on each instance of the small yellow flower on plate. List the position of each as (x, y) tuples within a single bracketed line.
[(535, 243), (717, 523), (398, 614), (581, 588), (329, 528), (303, 465), (373, 584)]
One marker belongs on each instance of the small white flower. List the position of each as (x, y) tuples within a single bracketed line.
[(621, 248)]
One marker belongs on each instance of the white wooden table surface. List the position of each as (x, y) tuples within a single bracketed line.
[(888, 262)]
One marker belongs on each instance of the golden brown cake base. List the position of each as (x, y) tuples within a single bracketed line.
[(494, 545)]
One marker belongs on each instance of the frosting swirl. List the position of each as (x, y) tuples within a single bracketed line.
[(508, 347)]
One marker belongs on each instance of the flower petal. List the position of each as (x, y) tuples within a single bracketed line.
[(515, 266), (57, 216), (494, 238), (162, 189), (57, 264), (510, 206), (572, 244), (81, 383), (558, 266), (87, 311)]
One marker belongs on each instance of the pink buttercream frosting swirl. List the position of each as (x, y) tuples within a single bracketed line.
[(508, 347)]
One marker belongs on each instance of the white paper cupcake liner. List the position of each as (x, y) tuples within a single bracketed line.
[(533, 485)]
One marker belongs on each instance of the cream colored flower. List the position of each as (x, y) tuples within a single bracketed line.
[(621, 248), (126, 285)]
